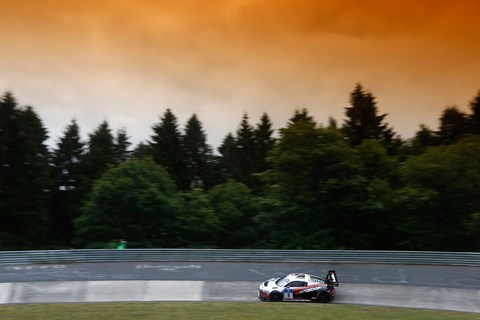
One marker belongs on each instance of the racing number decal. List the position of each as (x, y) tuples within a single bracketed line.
[(288, 293)]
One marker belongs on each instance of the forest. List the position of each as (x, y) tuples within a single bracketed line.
[(350, 185)]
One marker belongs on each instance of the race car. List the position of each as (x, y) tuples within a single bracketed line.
[(299, 287)]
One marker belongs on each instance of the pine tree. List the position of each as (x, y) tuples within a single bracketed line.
[(246, 151), (453, 125), (66, 200), (142, 150), (198, 155), (122, 145), (311, 168), (67, 156), (9, 135), (99, 156), (228, 157), (239, 154), (24, 172), (301, 116), (332, 123), (474, 118), (167, 149), (424, 137), (264, 143), (363, 121)]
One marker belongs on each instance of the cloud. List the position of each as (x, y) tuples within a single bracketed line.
[(128, 60)]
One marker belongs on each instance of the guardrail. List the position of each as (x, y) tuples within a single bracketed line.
[(241, 255)]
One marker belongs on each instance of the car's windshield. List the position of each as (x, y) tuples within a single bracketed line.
[(281, 282)]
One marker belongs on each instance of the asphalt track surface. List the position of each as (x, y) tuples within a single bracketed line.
[(406, 275), (423, 286)]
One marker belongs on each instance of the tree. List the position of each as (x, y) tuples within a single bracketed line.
[(246, 151), (136, 201), (453, 125), (310, 167), (142, 150), (198, 156), (228, 159), (301, 116), (375, 162), (199, 222), (325, 194), (121, 146), (264, 143), (412, 212), (292, 159), (166, 146), (100, 154), (66, 173), (363, 121), (447, 178), (424, 138), (244, 155), (235, 207), (332, 123), (474, 118), (24, 176), (368, 200)]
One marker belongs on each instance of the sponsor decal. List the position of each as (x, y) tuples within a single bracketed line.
[(308, 290)]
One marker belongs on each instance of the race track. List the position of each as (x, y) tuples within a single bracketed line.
[(436, 287)]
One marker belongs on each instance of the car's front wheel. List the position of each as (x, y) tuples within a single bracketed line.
[(276, 296), (323, 297)]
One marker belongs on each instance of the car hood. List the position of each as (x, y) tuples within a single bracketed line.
[(269, 284)]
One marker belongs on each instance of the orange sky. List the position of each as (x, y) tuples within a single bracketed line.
[(126, 61)]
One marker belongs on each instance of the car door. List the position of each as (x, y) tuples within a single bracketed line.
[(291, 290)]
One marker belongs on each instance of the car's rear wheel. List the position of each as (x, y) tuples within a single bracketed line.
[(276, 296), (323, 297)]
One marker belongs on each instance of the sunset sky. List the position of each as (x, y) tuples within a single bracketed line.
[(127, 61)]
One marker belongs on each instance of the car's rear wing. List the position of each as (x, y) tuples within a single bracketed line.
[(331, 278)]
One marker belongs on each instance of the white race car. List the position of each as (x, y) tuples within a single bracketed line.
[(299, 287)]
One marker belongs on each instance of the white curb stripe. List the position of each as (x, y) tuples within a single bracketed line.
[(5, 291)]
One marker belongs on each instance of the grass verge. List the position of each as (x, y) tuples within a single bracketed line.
[(218, 310)]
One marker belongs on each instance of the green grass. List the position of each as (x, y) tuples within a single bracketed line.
[(218, 310)]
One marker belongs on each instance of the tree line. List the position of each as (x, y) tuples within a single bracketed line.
[(354, 185)]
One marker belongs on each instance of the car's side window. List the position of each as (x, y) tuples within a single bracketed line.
[(317, 280), (296, 284)]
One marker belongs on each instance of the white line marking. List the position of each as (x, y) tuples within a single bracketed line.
[(258, 272)]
